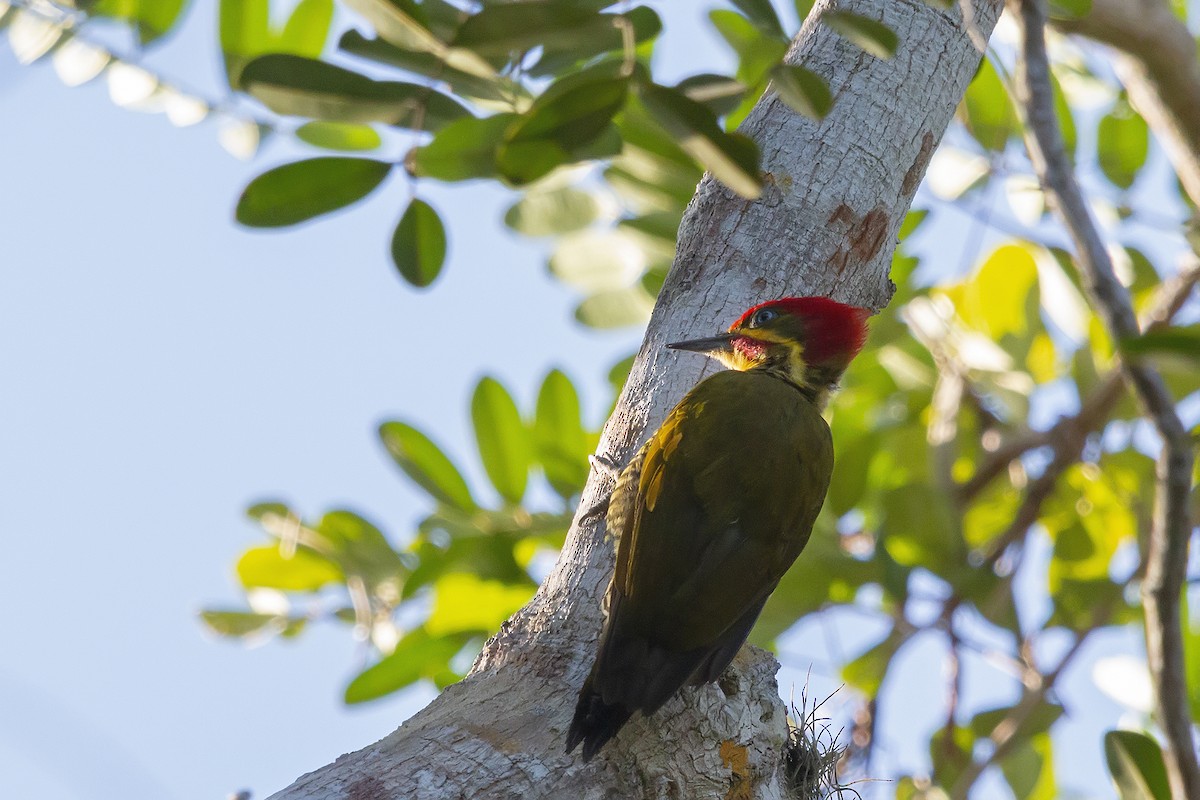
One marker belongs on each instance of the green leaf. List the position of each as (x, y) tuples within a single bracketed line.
[(1066, 119), (562, 124), (502, 439), (418, 655), (426, 465), (462, 150), (757, 52), (598, 260), (305, 87), (804, 90), (303, 571), (918, 530), (244, 33), (240, 623), (562, 58), (1135, 762), (615, 308), (339, 135), (361, 549), (307, 28), (1036, 722), (1183, 340), (419, 244), (866, 672), (559, 437), (762, 14), (505, 28), (492, 88), (401, 22), (1069, 9), (152, 19), (299, 191), (243, 26), (731, 157), (465, 604), (1122, 142), (1029, 769), (552, 212), (988, 111), (720, 93), (870, 34), (850, 471)]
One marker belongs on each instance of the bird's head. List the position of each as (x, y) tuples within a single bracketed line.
[(808, 341)]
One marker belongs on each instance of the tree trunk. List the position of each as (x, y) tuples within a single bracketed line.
[(836, 193)]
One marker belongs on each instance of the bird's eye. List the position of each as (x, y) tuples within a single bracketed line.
[(762, 317)]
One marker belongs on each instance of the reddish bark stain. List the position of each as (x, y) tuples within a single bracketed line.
[(864, 237), (867, 237), (917, 170)]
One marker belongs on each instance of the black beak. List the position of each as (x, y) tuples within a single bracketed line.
[(713, 344)]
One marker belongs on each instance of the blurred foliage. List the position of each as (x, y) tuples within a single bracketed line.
[(426, 607), (982, 423)]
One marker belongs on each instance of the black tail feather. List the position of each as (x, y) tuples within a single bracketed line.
[(595, 722)]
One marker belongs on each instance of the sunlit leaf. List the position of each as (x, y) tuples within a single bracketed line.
[(502, 438), (151, 19), (302, 190), (244, 32), (987, 109), (306, 29), (1069, 9), (343, 136), (426, 464), (419, 244), (302, 571), (464, 603)]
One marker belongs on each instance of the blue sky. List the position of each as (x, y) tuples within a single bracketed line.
[(163, 369)]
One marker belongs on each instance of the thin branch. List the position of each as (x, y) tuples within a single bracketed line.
[(1037, 687), (1158, 64), (1167, 554), (1095, 409)]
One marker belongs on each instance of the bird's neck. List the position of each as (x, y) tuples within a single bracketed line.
[(814, 382)]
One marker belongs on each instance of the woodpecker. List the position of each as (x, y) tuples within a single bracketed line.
[(715, 507)]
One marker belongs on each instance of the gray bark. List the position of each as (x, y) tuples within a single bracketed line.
[(836, 193)]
